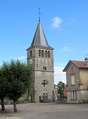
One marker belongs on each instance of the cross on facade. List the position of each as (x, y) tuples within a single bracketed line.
[(39, 13), (44, 83)]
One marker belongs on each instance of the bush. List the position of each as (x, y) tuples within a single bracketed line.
[(19, 101)]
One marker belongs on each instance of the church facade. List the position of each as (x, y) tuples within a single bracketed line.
[(40, 56)]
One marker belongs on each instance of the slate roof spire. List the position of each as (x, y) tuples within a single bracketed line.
[(39, 38)]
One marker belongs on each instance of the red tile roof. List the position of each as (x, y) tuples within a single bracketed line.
[(80, 63)]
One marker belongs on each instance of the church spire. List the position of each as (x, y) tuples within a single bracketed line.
[(39, 39)]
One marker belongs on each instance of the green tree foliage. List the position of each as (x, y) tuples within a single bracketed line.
[(61, 88), (3, 83), (18, 77)]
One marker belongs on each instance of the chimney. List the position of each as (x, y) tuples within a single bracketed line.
[(86, 61)]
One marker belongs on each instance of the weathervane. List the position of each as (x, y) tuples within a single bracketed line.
[(39, 13)]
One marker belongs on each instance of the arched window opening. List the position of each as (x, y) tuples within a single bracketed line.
[(30, 53), (48, 53), (39, 53), (42, 53), (45, 53)]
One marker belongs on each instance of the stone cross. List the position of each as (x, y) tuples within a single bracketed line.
[(39, 13)]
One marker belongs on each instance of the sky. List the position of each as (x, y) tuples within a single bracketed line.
[(64, 22)]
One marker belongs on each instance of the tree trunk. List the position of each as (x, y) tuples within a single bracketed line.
[(28, 95), (2, 103), (15, 109)]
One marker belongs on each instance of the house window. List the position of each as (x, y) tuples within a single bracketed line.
[(48, 53), (73, 94), (30, 53), (44, 68), (42, 53), (72, 80), (39, 53), (45, 53)]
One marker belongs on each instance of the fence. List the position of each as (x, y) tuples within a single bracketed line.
[(61, 98), (49, 97)]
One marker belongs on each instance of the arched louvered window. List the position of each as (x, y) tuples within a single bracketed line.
[(39, 53), (48, 53), (45, 53), (30, 53), (42, 53)]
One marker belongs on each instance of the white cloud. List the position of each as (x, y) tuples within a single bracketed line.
[(73, 19), (66, 49), (59, 75), (56, 22), (61, 64), (24, 47), (20, 58)]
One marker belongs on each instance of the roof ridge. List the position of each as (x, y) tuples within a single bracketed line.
[(77, 60), (79, 64)]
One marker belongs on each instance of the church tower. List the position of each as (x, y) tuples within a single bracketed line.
[(40, 56)]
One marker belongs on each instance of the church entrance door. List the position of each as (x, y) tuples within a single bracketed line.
[(39, 98)]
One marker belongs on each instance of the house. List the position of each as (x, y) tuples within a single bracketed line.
[(77, 81)]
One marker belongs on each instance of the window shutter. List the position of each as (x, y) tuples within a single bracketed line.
[(72, 80)]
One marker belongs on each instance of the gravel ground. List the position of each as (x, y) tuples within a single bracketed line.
[(46, 111)]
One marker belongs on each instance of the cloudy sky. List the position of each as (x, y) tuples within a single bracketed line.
[(65, 24)]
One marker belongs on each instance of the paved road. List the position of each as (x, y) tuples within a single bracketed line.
[(46, 111)]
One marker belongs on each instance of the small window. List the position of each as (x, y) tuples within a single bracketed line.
[(72, 80), (45, 53), (39, 53), (44, 68), (30, 53), (48, 53), (73, 94), (42, 53)]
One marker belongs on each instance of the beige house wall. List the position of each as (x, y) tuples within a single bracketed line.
[(84, 84), (81, 87), (77, 100), (84, 79), (72, 70), (84, 96)]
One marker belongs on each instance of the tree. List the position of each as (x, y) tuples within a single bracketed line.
[(20, 78), (3, 83), (61, 88)]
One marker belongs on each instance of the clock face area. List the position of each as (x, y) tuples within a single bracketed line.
[(30, 61)]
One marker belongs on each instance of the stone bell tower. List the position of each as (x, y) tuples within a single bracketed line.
[(40, 56)]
